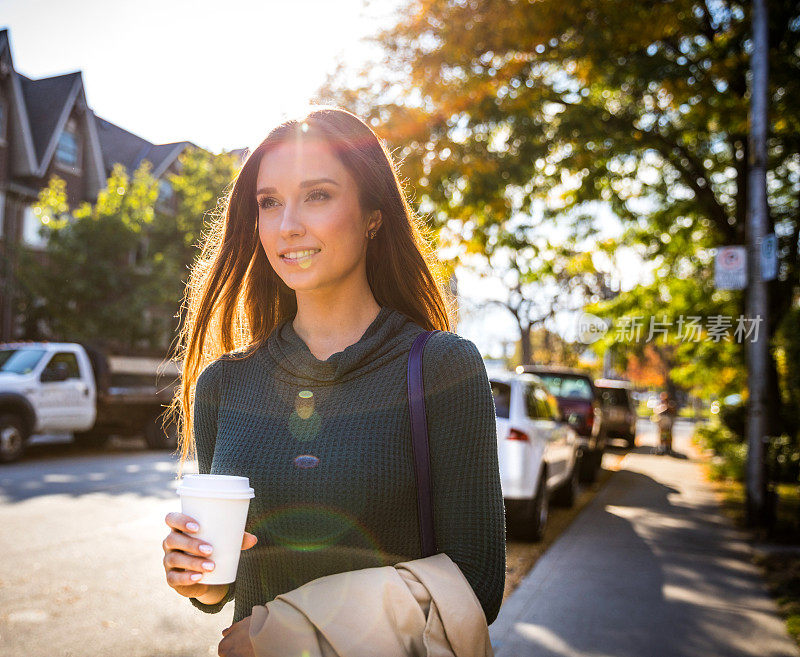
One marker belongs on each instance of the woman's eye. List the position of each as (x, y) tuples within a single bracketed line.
[(316, 194)]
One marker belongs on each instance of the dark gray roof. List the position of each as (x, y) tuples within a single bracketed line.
[(45, 100), (159, 153), (119, 145)]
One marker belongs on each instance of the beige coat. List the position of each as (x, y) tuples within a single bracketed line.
[(420, 608)]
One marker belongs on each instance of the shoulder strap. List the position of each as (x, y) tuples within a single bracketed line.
[(419, 435)]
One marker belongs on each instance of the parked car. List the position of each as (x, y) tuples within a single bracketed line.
[(619, 409), (579, 402), (71, 387), (537, 451)]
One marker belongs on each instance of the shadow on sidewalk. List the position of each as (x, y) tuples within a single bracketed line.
[(645, 570)]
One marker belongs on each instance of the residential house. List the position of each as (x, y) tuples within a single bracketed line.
[(46, 128)]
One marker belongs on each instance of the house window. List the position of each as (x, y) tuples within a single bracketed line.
[(32, 229), (165, 192), (68, 150)]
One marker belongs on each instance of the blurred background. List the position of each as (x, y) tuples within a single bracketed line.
[(613, 189)]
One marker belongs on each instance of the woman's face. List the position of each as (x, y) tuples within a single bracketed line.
[(307, 200)]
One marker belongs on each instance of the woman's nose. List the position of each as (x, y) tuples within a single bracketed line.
[(291, 223)]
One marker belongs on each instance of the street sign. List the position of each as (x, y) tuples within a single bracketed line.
[(769, 257), (730, 268)]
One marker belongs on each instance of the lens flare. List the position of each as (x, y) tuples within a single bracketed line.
[(304, 404), (306, 461), (304, 422)]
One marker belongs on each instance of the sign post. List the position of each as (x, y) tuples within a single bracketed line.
[(730, 268), (769, 257)]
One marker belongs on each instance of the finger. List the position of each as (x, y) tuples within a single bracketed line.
[(177, 578), (182, 561), (182, 522), (178, 541), (249, 540)]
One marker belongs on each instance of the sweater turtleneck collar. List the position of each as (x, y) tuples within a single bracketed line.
[(380, 342)]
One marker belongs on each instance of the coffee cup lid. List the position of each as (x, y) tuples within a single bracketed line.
[(226, 487)]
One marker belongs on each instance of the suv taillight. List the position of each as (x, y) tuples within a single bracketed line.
[(516, 434), (590, 418)]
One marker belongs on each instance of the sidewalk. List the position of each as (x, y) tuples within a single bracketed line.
[(650, 568)]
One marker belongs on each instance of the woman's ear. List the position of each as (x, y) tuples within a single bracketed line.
[(375, 220)]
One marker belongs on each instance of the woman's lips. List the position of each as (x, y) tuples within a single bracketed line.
[(305, 261)]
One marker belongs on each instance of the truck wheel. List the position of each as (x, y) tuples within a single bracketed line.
[(157, 438), (93, 439), (13, 436), (533, 519)]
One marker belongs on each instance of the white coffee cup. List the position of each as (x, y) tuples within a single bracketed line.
[(219, 503)]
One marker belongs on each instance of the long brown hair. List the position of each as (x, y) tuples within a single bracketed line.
[(234, 298)]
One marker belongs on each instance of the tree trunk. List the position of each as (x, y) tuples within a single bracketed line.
[(525, 341)]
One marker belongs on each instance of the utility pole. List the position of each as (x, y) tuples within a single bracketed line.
[(757, 301)]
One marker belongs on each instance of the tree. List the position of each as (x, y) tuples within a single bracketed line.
[(494, 104), (114, 271), (173, 237), (544, 278), (89, 284)]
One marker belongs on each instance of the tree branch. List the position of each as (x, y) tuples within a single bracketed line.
[(692, 172)]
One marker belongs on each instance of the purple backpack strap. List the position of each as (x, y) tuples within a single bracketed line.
[(419, 436)]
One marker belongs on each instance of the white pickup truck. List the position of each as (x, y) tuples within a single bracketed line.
[(54, 387)]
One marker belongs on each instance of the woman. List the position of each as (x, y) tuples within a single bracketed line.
[(664, 416), (305, 303)]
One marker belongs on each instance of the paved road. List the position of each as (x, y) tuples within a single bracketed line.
[(648, 569), (80, 558)]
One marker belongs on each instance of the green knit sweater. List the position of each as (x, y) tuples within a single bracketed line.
[(327, 448)]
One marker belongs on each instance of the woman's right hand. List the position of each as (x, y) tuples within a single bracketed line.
[(183, 556)]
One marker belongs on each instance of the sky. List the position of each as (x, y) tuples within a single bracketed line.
[(218, 74)]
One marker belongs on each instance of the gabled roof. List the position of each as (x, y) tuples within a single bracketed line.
[(119, 145), (43, 107), (162, 155), (241, 153), (24, 159), (46, 101)]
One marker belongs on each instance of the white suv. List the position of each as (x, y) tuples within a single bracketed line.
[(537, 449)]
